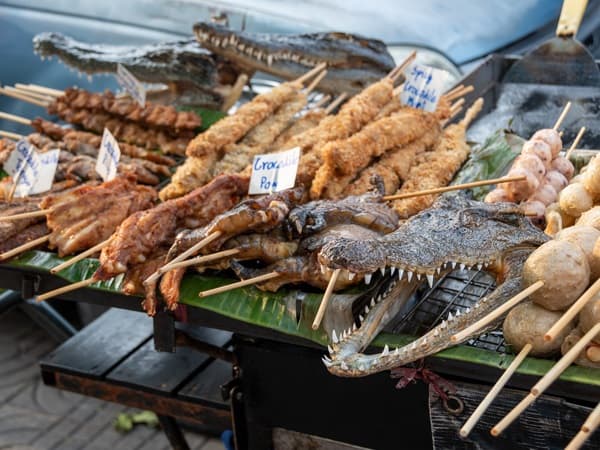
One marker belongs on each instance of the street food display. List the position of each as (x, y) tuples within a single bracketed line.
[(372, 208)]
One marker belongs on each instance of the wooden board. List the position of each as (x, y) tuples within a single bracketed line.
[(205, 387), (550, 423), (165, 372), (101, 345)]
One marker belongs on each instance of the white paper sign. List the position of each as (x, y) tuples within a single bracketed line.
[(108, 157), (131, 84), (274, 172), (423, 87), (23, 166), (47, 169)]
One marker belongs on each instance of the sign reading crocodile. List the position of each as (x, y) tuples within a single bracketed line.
[(131, 84), (423, 87), (274, 172), (108, 157)]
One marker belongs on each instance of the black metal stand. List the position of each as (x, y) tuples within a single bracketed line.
[(173, 433)]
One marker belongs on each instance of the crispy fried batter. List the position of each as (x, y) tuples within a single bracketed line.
[(394, 166), (437, 168), (232, 128)]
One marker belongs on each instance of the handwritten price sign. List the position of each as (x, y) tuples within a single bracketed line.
[(274, 172), (423, 87), (131, 84), (108, 157)]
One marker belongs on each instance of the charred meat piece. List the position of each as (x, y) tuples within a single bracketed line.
[(141, 233), (256, 214)]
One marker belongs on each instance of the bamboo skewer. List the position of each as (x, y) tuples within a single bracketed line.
[(457, 105), (399, 69), (589, 426), (575, 142), (41, 89), (315, 82), (67, 288), (26, 215), (457, 93), (495, 314), (11, 135), (325, 300), (453, 188), (491, 396), (23, 248), (546, 380), (14, 118), (36, 95), (235, 92), (311, 73), (205, 258), (189, 252), (562, 116), (89, 252), (593, 353), (23, 97), (321, 102), (573, 310), (229, 287), (337, 102), (453, 90)]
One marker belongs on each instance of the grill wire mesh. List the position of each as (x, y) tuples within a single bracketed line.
[(458, 290)]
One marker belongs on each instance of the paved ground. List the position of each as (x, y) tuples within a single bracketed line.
[(33, 416)]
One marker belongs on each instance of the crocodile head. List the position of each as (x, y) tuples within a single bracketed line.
[(455, 233), (353, 62), (182, 65)]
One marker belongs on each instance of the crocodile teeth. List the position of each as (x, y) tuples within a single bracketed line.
[(344, 366), (270, 60), (409, 275), (400, 273), (330, 348), (386, 351), (438, 270), (462, 266), (453, 263), (457, 313), (392, 270), (351, 276), (397, 351), (378, 298), (367, 309), (368, 278), (468, 311), (328, 362), (450, 317), (334, 337), (241, 47), (479, 266), (354, 327), (436, 332), (443, 324), (343, 335), (361, 318), (372, 303), (418, 276), (382, 270), (430, 280)]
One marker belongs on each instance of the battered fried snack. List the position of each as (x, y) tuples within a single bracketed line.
[(345, 158), (152, 115), (394, 166), (232, 128), (437, 168), (309, 120)]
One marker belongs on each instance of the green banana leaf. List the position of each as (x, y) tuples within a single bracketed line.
[(277, 312), (492, 159), (208, 116)]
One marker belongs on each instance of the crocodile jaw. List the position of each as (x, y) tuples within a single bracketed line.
[(289, 57), (347, 361)]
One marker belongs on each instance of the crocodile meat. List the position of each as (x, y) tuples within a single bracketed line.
[(353, 62), (205, 76), (454, 233)]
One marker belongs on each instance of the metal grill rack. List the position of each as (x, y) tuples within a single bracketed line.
[(458, 290)]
